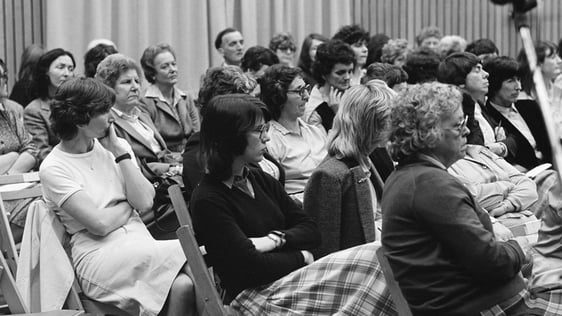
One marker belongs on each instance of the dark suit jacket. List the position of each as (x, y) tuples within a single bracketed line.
[(37, 123), (338, 198), (519, 149)]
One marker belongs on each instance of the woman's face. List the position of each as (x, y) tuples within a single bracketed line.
[(256, 143), (401, 59), (431, 43), (3, 83), (452, 145), (98, 126), (476, 82), (508, 92), (297, 96), (551, 66), (340, 76), (166, 69), (286, 55), (60, 70), (127, 88), (312, 49), (361, 52)]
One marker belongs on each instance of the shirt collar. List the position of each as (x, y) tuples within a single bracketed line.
[(282, 129), (152, 91), (504, 110), (133, 117), (432, 161), (230, 181)]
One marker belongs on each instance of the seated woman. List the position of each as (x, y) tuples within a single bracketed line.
[(121, 73), (90, 180), (17, 152), (283, 45), (299, 147), (308, 56), (173, 111), (356, 37), (437, 238), (395, 52), (332, 70), (253, 231), (53, 68), (343, 194)]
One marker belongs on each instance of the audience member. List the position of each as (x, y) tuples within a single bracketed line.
[(173, 111), (332, 69), (53, 68), (21, 91), (230, 45), (95, 42), (94, 56), (429, 37), (298, 146), (450, 44), (438, 240), (356, 37), (394, 76), (308, 56), (483, 48), (257, 59), (283, 45), (550, 65), (395, 52), (421, 65), (91, 182), (376, 43), (344, 193)]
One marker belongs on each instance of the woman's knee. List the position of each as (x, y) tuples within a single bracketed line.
[(184, 285)]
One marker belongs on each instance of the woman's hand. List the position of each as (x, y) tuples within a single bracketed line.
[(263, 244), (308, 257), (501, 232), (334, 98), (111, 143), (505, 207)]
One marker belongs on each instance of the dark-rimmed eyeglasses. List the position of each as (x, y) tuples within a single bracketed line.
[(263, 129), (460, 126), (303, 91)]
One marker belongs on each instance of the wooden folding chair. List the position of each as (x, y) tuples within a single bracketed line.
[(401, 304), (204, 286)]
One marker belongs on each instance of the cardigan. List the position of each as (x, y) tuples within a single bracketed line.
[(37, 123), (440, 244), (225, 218), (338, 198)]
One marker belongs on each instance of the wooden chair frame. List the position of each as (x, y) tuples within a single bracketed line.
[(401, 304)]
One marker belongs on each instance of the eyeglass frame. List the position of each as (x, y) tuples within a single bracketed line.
[(301, 91), (460, 126), (4, 76), (262, 129)]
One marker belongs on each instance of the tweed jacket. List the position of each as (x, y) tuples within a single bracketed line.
[(337, 196), (519, 149), (37, 123)]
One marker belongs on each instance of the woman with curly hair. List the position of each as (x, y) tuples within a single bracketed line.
[(357, 38), (438, 240), (283, 45), (395, 52)]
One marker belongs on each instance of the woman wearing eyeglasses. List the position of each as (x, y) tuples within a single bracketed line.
[(283, 45), (252, 231), (298, 146)]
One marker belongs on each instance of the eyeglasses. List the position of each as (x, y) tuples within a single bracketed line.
[(286, 50), (4, 77), (263, 129), (303, 91), (460, 126)]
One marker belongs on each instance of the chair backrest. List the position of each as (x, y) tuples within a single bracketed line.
[(401, 304), (206, 293)]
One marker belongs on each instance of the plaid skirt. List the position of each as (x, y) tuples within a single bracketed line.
[(348, 282)]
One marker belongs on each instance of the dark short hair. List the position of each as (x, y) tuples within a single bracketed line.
[(274, 85), (376, 43), (228, 120), (482, 46), (218, 39), (41, 81), (148, 56), (257, 56), (543, 49), (421, 65), (76, 102), (455, 67), (351, 34), (328, 55), (305, 63), (94, 56), (284, 39), (500, 69), (390, 74)]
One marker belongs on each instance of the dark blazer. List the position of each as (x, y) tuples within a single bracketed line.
[(520, 151), (338, 198), (37, 123)]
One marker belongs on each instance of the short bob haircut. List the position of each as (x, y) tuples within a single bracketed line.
[(223, 80), (393, 49), (482, 46), (390, 74), (94, 56), (274, 85), (427, 32), (421, 65), (113, 66), (221, 34), (76, 102), (416, 118), (41, 81), (455, 67), (500, 69), (257, 56), (305, 62), (147, 60), (228, 120), (361, 121), (328, 55), (352, 34), (282, 41), (543, 49)]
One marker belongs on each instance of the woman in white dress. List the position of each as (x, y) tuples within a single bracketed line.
[(91, 181)]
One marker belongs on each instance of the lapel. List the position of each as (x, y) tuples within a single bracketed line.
[(165, 108), (506, 122), (364, 205), (143, 117), (127, 127)]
